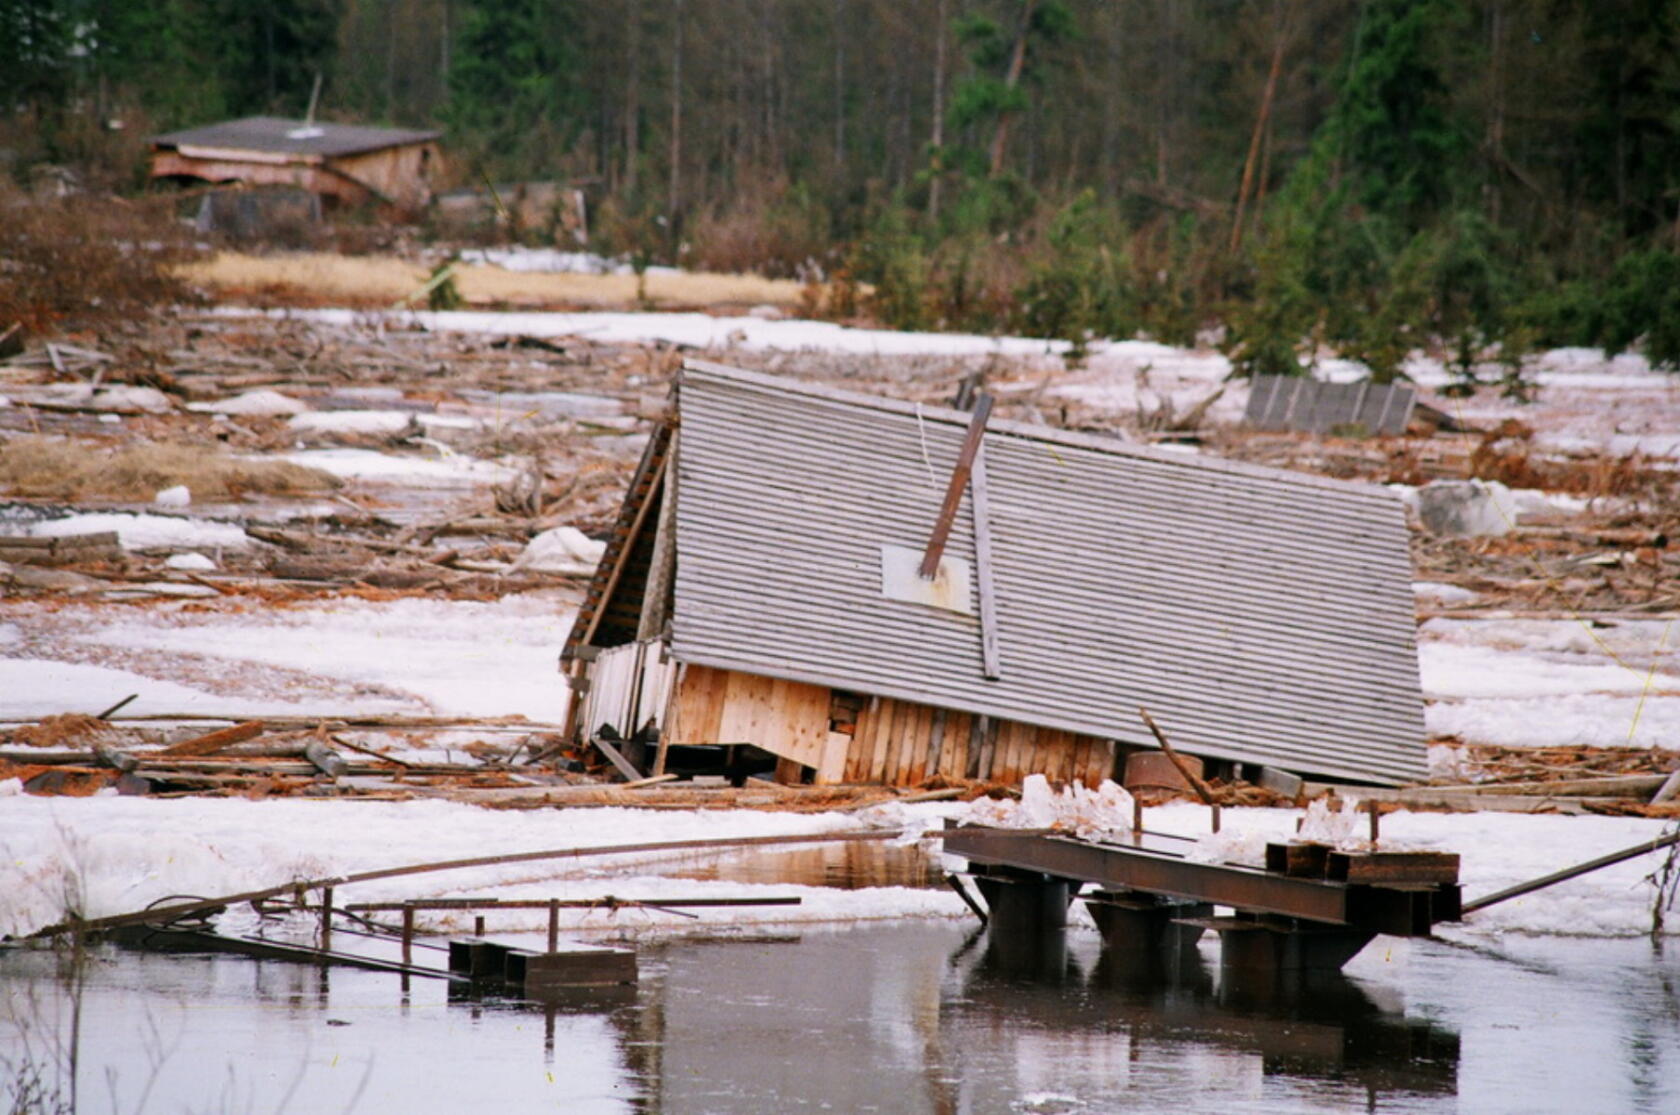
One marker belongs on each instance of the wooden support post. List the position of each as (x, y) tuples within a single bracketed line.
[(953, 491), (990, 656), (1137, 816), (1215, 808), (1376, 823), (553, 925), (326, 919), (478, 925), (1203, 790), (408, 934)]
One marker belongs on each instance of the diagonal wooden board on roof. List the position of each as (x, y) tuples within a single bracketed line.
[(1262, 616)]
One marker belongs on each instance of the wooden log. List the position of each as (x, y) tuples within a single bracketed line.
[(211, 742), (1619, 785), (1669, 789), (119, 761), (325, 759)]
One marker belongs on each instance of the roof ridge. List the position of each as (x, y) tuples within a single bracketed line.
[(1047, 434)]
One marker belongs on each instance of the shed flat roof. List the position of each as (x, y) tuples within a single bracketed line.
[(274, 135), (1259, 615)]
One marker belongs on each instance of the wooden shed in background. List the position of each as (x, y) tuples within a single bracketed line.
[(761, 587), (349, 164)]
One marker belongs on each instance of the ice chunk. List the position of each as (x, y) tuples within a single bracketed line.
[(561, 550), (1467, 507)]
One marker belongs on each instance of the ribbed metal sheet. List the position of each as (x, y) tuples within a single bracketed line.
[(277, 136), (1315, 407), (1259, 615)]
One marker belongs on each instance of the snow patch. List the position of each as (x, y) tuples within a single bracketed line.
[(255, 404), (372, 466), (146, 532)]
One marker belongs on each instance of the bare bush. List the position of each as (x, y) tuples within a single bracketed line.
[(83, 258)]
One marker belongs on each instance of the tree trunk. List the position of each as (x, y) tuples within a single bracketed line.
[(937, 142), (1260, 121), (633, 99), (839, 86), (1017, 61), (675, 198)]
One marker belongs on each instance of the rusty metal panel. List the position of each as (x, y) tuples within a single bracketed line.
[(1261, 616)]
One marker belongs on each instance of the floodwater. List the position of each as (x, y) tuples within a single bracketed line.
[(887, 1017)]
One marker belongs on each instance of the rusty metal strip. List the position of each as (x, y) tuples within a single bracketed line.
[(953, 492)]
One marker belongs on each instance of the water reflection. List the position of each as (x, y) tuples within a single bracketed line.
[(1321, 1027), (897, 1017)]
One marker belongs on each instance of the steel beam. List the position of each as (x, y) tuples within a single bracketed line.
[(1154, 865)]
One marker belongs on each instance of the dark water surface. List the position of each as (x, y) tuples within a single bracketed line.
[(889, 1017)]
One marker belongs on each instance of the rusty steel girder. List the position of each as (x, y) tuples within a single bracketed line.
[(1157, 864)]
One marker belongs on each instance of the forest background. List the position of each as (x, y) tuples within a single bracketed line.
[(1371, 177)]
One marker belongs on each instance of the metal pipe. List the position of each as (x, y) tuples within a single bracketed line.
[(167, 913), (955, 882), (608, 902), (1664, 841)]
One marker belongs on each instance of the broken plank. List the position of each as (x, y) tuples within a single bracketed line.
[(617, 759), (212, 742)]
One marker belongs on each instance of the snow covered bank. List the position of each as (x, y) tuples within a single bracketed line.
[(449, 657), (108, 855), (1497, 850), (1545, 683), (694, 329)]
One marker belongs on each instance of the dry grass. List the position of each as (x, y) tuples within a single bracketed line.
[(380, 281), (46, 468), (320, 278)]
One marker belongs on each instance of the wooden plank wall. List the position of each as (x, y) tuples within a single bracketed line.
[(786, 718), (901, 743), (628, 686)]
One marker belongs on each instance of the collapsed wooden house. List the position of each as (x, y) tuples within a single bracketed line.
[(763, 586), (348, 164)]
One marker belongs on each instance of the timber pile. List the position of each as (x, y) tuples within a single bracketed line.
[(1612, 781), (78, 755)]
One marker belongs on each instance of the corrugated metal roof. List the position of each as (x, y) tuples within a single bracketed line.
[(1259, 615), (274, 135)]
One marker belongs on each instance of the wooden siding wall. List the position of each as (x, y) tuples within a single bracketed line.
[(850, 738), (904, 744), (786, 718)]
